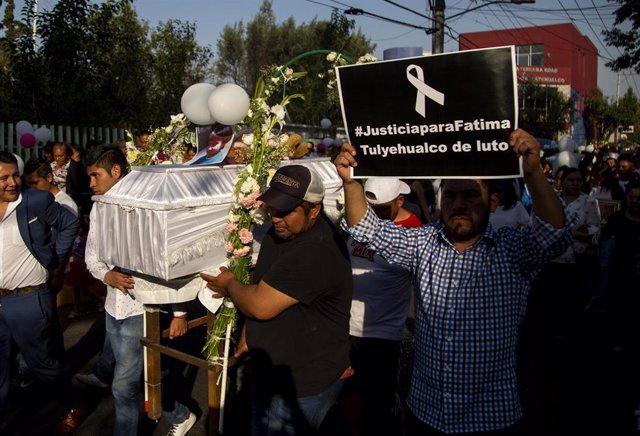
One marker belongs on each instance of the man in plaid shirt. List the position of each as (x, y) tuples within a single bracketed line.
[(472, 285)]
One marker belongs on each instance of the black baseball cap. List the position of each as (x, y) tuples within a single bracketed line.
[(290, 186)]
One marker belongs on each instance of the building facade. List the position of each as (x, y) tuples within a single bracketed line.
[(556, 55)]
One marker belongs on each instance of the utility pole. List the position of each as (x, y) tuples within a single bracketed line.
[(617, 104), (438, 20), (35, 23)]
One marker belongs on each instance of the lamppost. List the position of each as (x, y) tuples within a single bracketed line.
[(439, 19)]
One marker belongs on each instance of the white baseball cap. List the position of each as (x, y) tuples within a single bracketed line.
[(382, 190)]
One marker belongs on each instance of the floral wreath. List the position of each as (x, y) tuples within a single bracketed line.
[(166, 144)]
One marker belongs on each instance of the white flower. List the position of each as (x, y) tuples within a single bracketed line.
[(249, 169), (270, 174), (367, 58), (331, 57), (258, 215), (278, 111), (247, 139), (283, 138), (178, 119), (233, 217), (264, 107), (266, 128), (275, 80), (249, 186), (168, 129), (288, 72)]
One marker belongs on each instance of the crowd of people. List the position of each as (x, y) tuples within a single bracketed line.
[(326, 313)]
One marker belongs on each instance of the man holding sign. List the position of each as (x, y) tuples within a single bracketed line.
[(448, 115), (472, 285)]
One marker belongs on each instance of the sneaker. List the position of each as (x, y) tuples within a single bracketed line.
[(182, 428), (26, 380), (91, 380)]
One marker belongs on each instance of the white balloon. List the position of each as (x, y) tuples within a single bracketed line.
[(325, 123), (566, 143), (229, 104), (194, 104), (42, 134), (564, 158), (23, 127)]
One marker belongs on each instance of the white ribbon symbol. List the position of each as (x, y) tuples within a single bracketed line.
[(424, 90)]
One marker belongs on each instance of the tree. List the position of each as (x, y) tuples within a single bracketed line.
[(243, 51), (68, 79), (544, 111), (627, 113), (628, 41), (232, 57), (599, 116), (177, 63), (96, 64), (121, 60), (7, 45)]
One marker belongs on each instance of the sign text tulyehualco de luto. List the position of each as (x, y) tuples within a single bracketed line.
[(446, 116)]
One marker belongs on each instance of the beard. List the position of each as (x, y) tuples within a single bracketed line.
[(463, 227)]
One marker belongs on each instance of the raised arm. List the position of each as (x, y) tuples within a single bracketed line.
[(546, 204), (355, 202)]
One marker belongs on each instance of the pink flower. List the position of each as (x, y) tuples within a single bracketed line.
[(231, 227), (241, 252), (228, 247), (249, 201), (245, 236)]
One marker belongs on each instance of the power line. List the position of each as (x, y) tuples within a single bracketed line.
[(324, 4)]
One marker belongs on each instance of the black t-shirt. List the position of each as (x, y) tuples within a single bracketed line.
[(304, 349)]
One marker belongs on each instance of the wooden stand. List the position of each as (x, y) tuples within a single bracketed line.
[(154, 349)]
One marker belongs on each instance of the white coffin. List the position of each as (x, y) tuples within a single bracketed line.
[(167, 221)]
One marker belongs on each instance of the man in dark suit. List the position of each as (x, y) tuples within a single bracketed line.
[(28, 261)]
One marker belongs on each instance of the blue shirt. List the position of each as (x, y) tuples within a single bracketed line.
[(469, 307)]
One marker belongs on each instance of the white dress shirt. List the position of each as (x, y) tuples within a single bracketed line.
[(19, 268), (117, 304), (65, 200)]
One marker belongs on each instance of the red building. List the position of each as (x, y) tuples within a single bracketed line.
[(557, 55)]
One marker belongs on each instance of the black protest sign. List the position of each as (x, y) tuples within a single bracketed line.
[(442, 116)]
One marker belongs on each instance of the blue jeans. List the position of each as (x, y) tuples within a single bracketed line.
[(105, 365), (278, 415), (124, 336)]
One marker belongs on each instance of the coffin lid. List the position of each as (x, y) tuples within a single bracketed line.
[(168, 187)]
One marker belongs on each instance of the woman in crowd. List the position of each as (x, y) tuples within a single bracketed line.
[(506, 209)]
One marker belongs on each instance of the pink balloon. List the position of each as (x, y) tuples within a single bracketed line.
[(28, 140)]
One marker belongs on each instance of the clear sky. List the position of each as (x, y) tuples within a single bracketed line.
[(589, 16)]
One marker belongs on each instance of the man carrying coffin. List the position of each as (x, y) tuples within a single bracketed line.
[(297, 309)]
